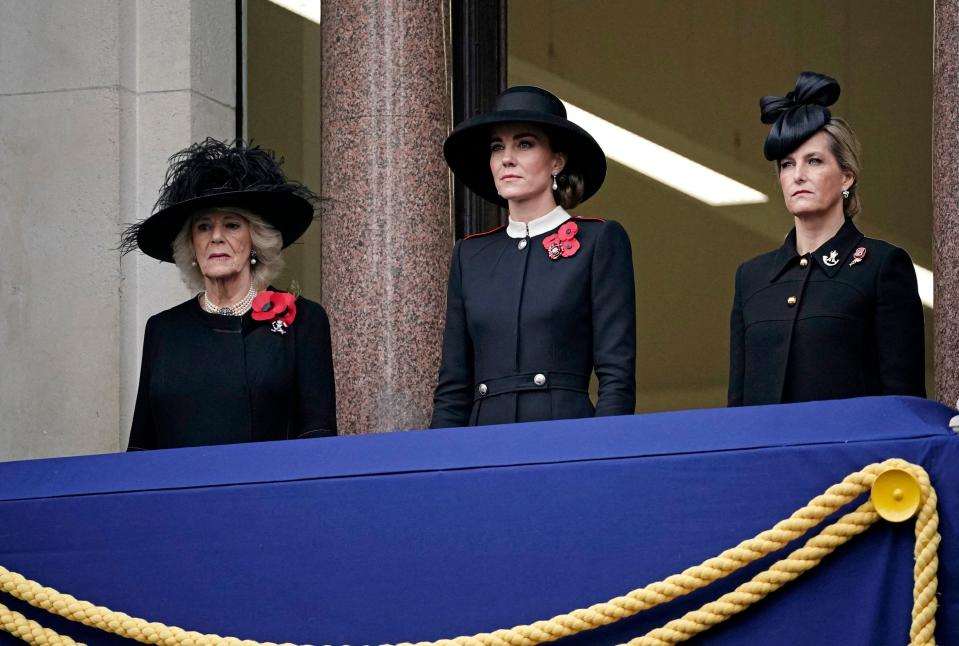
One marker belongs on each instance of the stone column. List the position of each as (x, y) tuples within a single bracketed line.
[(94, 96), (178, 86), (386, 216), (945, 189)]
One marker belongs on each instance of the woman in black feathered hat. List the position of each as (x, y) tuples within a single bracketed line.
[(239, 362), (535, 306), (831, 313)]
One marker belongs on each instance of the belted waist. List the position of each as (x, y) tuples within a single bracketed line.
[(531, 381)]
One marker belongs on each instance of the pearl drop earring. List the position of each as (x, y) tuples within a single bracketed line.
[(555, 185)]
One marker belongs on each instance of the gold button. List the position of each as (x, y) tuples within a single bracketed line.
[(791, 301), (803, 262)]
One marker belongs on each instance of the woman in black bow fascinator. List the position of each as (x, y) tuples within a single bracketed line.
[(831, 313), (534, 307)]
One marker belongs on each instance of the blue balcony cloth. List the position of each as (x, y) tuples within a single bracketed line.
[(429, 534)]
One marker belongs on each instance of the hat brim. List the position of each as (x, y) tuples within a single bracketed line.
[(287, 212), (467, 151)]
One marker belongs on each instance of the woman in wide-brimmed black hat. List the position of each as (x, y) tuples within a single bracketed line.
[(538, 305), (830, 314), (239, 362)]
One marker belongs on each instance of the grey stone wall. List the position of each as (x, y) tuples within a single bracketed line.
[(94, 96)]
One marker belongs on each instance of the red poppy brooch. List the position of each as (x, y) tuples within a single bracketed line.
[(279, 307), (858, 256), (563, 242)]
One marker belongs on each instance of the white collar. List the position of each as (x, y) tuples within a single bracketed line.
[(538, 226)]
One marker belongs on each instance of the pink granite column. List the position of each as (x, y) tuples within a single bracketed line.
[(945, 186), (386, 215)]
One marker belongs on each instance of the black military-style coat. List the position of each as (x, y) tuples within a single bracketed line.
[(524, 332), (842, 321)]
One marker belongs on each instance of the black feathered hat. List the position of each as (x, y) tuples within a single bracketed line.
[(799, 115), (214, 174), (467, 149)]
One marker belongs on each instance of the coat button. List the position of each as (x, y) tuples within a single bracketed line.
[(540, 379), (521, 244), (791, 301), (804, 262), (482, 389)]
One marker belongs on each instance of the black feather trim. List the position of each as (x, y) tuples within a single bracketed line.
[(213, 167), (128, 239)]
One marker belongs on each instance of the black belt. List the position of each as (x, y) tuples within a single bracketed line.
[(531, 381)]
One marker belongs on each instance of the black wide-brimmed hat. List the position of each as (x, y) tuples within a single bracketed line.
[(213, 174), (799, 115), (467, 149)]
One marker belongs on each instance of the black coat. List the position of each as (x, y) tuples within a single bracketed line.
[(824, 326), (514, 314), (211, 379)]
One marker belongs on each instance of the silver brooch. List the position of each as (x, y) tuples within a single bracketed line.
[(832, 259), (278, 326)]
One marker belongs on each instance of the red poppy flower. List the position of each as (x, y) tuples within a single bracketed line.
[(563, 242), (570, 247), (274, 306), (567, 230)]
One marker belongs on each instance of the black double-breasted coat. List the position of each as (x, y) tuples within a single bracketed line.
[(843, 321), (212, 379), (524, 332)]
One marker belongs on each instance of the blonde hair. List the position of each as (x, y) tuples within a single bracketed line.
[(265, 240), (845, 147), (847, 151)]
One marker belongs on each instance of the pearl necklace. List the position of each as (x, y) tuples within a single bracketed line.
[(237, 309)]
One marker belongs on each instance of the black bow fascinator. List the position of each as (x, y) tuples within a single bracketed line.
[(799, 115), (213, 174)]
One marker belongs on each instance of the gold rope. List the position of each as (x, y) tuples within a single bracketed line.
[(816, 548), (807, 557), (30, 631)]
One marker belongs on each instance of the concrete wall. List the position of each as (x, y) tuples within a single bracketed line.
[(94, 96)]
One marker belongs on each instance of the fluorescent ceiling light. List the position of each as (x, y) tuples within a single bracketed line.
[(309, 9), (924, 278), (664, 165)]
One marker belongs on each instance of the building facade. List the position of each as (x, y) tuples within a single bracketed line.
[(96, 95)]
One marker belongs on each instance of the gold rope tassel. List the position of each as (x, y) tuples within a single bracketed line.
[(850, 525)]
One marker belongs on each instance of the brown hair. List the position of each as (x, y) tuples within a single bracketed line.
[(570, 188), (570, 183)]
